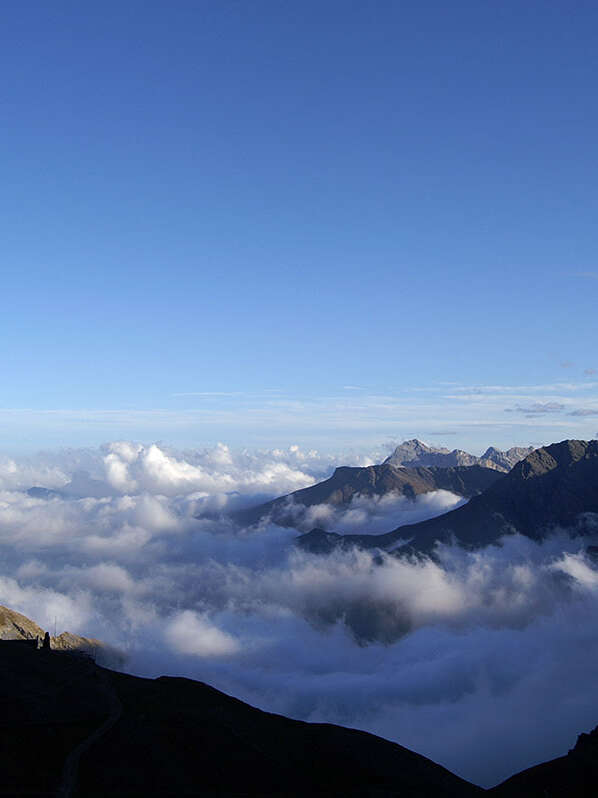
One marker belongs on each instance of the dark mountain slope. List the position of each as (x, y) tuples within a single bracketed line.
[(175, 737), (572, 776), (221, 744), (50, 701), (553, 486), (376, 480)]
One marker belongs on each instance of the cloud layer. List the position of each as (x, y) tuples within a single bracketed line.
[(483, 661)]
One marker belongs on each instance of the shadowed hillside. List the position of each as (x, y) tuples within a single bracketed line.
[(377, 480)]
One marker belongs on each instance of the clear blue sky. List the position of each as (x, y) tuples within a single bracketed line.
[(278, 200)]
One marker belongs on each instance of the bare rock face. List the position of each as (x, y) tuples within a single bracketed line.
[(504, 461), (14, 626), (415, 453), (70, 642)]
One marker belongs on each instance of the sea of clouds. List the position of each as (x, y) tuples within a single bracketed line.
[(483, 661)]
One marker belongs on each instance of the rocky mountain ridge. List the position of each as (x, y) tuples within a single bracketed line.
[(415, 453)]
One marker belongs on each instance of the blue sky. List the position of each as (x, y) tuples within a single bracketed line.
[(334, 224)]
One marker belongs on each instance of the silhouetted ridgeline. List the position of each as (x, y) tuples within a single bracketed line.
[(574, 775), (172, 736), (94, 732)]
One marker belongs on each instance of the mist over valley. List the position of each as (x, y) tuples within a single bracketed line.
[(142, 547)]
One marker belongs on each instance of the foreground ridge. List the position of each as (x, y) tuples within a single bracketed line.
[(97, 732)]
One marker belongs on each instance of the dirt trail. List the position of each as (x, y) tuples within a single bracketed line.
[(71, 763)]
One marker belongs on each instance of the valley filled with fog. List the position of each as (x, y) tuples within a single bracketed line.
[(462, 658)]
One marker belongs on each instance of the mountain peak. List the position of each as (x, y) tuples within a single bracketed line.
[(417, 444), (491, 451)]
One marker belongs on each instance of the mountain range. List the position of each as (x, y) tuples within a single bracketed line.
[(94, 732), (553, 487), (412, 469)]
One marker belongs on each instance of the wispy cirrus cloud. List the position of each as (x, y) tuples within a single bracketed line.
[(474, 413), (209, 393), (537, 408), (523, 389)]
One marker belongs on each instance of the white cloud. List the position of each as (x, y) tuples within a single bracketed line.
[(372, 515), (190, 633), (156, 470), (22, 474)]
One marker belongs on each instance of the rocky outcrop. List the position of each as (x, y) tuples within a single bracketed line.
[(15, 626), (376, 480)]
